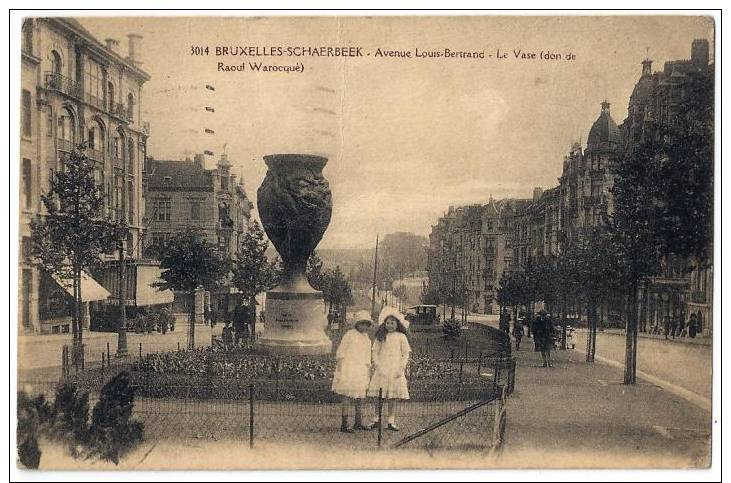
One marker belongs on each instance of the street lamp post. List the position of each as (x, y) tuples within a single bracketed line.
[(121, 329)]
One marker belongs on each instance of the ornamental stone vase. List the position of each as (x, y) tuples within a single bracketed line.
[(295, 206)]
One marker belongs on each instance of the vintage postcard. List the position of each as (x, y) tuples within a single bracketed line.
[(365, 242)]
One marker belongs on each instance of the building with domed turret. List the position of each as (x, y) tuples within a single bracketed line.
[(471, 246)]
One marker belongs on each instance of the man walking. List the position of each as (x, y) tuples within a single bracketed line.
[(543, 336)]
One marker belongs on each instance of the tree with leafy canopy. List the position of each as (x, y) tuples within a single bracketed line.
[(253, 272), (634, 234), (189, 262), (684, 204), (74, 232)]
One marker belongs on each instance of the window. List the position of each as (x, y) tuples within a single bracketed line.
[(94, 83), (27, 45), (159, 239), (56, 62), (130, 202), (27, 282), (130, 106), (26, 113), (195, 210), (161, 209), (26, 249), (224, 183), (49, 122), (131, 155), (27, 183), (110, 96), (66, 126)]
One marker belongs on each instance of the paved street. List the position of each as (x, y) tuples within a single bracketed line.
[(584, 410), (687, 365)]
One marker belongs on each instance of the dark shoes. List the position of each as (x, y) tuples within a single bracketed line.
[(392, 427)]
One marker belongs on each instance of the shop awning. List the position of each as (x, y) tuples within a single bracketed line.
[(147, 293), (90, 288)]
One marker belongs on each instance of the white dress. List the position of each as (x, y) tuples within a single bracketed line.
[(389, 360), (354, 365)]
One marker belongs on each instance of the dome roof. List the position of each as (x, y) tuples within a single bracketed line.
[(604, 131)]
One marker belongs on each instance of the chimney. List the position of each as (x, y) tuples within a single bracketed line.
[(198, 159), (699, 53), (112, 44), (134, 46), (537, 193)]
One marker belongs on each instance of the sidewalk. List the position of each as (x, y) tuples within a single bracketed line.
[(680, 340), (578, 414)]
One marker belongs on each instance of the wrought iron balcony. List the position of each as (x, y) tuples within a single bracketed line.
[(65, 145), (121, 111), (95, 155), (59, 83)]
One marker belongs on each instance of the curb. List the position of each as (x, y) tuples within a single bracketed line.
[(693, 398)]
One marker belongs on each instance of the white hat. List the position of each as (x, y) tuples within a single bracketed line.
[(361, 316), (387, 312)]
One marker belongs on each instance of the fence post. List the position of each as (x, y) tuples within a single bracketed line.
[(380, 416), (451, 356), (140, 351), (466, 348), (251, 416), (461, 364), (64, 362), (479, 364), (83, 356), (178, 346), (108, 353), (103, 355)]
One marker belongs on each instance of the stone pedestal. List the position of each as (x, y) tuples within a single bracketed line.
[(295, 323)]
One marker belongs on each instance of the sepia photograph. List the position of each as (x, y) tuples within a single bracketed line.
[(351, 241)]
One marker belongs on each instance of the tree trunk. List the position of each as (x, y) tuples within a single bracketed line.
[(76, 324), (630, 359), (191, 321), (591, 331), (252, 318)]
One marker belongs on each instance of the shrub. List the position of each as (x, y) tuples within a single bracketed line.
[(113, 433), (70, 422), (452, 329), (34, 415)]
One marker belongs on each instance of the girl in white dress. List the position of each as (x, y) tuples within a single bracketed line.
[(353, 370), (390, 354)]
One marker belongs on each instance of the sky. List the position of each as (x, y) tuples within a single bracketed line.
[(405, 138)]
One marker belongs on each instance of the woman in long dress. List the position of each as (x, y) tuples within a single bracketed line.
[(390, 355), (352, 373)]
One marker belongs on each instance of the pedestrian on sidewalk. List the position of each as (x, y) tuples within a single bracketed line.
[(666, 325), (681, 327), (352, 374), (390, 355), (673, 326), (518, 333), (692, 326), (543, 336)]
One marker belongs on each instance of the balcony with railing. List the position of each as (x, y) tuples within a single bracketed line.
[(65, 145), (57, 82), (95, 155), (121, 111)]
